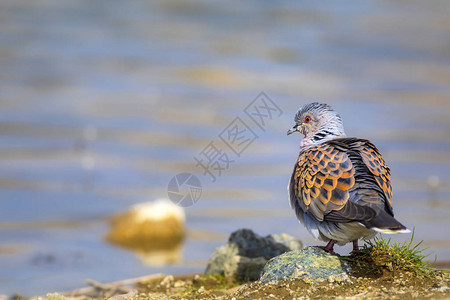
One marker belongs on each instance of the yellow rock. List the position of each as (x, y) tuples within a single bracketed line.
[(150, 227)]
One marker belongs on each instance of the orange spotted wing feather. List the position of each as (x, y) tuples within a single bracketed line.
[(322, 178)]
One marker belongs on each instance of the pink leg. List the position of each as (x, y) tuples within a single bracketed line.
[(329, 247), (355, 245), (355, 248)]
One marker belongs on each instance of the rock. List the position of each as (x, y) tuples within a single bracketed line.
[(128, 296), (250, 244), (167, 281), (226, 260), (287, 240), (246, 253), (53, 296), (311, 265), (154, 230)]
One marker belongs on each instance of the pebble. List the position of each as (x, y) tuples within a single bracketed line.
[(179, 283), (442, 289), (167, 281)]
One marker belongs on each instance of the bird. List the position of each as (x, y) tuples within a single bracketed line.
[(340, 187)]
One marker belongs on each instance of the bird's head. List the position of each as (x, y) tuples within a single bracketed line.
[(318, 122)]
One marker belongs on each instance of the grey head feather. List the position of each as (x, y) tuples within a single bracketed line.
[(325, 124), (315, 106)]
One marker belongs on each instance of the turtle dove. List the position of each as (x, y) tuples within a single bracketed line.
[(340, 188)]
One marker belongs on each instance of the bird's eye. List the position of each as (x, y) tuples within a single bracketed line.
[(307, 119)]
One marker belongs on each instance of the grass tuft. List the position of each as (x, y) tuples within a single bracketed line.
[(395, 256)]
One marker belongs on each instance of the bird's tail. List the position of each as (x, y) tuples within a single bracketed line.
[(385, 223)]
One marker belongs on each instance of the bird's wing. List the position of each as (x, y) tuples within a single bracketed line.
[(320, 185), (377, 166), (321, 180)]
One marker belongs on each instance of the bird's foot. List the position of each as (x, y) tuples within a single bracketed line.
[(324, 248), (328, 248)]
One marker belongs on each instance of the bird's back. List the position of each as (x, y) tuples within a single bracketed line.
[(372, 176)]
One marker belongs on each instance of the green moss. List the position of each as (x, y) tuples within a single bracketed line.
[(221, 281), (327, 262)]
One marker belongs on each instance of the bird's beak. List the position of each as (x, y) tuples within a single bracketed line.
[(292, 130)]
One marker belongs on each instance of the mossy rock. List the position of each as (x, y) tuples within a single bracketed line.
[(310, 265), (246, 253)]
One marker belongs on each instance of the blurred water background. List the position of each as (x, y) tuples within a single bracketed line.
[(102, 103)]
